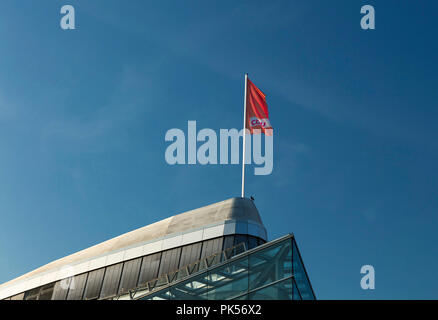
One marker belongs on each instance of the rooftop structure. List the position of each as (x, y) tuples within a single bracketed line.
[(129, 261)]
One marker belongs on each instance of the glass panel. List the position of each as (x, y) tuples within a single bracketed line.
[(228, 242), (94, 283), (229, 280), (210, 247), (241, 238), (19, 296), (182, 273), (264, 274), (77, 287), (194, 267), (190, 254), (193, 289), (46, 292), (162, 295), (149, 268), (234, 251), (213, 259), (270, 264), (32, 294), (130, 273), (61, 288), (169, 261), (111, 281), (300, 275), (252, 242), (279, 291)]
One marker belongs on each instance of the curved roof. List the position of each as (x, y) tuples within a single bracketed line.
[(240, 209)]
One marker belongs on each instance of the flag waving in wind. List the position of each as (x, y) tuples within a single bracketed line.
[(257, 116)]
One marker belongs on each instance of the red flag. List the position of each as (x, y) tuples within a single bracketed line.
[(257, 116)]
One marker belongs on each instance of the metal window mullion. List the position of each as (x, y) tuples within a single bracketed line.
[(101, 284), (262, 287), (85, 286), (294, 283), (120, 278)]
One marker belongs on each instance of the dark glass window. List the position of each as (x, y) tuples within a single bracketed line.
[(60, 290), (130, 274), (252, 242), (111, 281), (169, 261), (32, 294), (190, 253), (241, 238), (77, 287), (149, 268), (228, 242), (212, 246), (94, 282), (300, 275), (260, 241), (46, 292)]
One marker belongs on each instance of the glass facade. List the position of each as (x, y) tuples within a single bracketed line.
[(111, 281), (77, 287), (274, 271), (149, 272), (130, 275)]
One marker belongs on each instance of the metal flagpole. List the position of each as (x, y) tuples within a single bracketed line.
[(244, 137)]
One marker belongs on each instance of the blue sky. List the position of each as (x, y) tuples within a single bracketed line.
[(83, 115)]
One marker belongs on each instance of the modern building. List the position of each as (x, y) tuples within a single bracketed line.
[(215, 252)]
